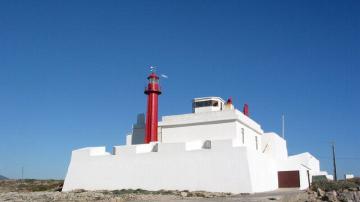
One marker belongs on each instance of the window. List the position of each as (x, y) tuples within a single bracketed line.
[(214, 103), (207, 103), (256, 142), (243, 135), (153, 80)]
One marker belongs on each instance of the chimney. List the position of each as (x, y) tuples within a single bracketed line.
[(229, 100), (246, 110)]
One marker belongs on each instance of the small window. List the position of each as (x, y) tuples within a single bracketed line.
[(256, 142), (207, 103), (243, 135), (153, 80)]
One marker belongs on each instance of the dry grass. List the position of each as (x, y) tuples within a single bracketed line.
[(30, 185)]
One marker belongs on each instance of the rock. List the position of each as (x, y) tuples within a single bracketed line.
[(320, 192), (356, 196), (59, 188), (346, 197), (184, 194), (331, 196), (325, 198), (208, 195)]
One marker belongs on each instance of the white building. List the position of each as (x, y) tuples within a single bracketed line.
[(216, 148)]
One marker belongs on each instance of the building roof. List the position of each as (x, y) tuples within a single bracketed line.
[(208, 98)]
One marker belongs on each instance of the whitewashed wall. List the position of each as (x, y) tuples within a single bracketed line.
[(250, 136), (274, 145), (206, 131), (214, 125), (223, 168)]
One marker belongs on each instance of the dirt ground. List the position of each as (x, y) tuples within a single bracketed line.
[(91, 196), (31, 190)]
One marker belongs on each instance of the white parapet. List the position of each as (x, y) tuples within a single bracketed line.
[(214, 166), (208, 165)]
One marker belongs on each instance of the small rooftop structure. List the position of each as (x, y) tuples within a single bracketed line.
[(207, 104)]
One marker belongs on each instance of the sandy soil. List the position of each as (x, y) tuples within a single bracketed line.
[(49, 190)]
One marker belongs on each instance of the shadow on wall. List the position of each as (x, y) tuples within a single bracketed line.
[(138, 132)]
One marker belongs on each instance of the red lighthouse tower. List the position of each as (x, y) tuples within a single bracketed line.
[(152, 91)]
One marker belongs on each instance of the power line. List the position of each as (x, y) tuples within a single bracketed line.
[(340, 157)]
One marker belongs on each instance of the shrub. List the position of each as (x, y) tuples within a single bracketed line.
[(122, 191), (29, 180), (355, 180), (332, 185), (40, 187)]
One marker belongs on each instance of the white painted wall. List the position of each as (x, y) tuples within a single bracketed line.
[(263, 171), (215, 125), (206, 131), (221, 168), (247, 136), (274, 145), (349, 176)]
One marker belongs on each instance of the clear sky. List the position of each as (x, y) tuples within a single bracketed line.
[(72, 73)]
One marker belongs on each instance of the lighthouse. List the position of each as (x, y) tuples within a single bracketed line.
[(216, 143), (152, 91)]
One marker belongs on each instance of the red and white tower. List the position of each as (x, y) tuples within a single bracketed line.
[(152, 91)]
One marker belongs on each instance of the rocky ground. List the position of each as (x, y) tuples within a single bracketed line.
[(346, 195), (48, 190)]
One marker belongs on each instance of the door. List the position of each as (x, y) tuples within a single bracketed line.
[(288, 179)]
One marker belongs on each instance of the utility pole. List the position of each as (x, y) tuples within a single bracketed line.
[(334, 161), (283, 126), (22, 172)]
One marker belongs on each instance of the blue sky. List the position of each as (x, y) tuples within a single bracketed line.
[(72, 73)]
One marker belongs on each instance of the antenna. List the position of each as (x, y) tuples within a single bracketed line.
[(283, 126)]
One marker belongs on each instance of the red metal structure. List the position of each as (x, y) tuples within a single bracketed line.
[(152, 91), (246, 109), (229, 101)]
